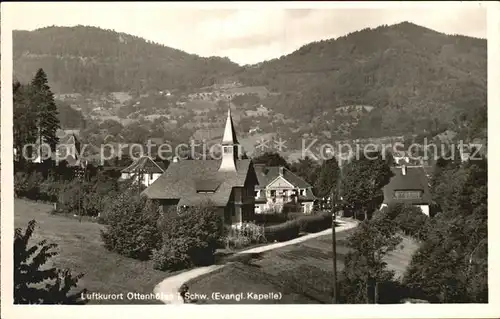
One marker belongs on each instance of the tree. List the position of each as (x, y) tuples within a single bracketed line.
[(47, 115), (327, 179), (452, 264), (365, 267), (271, 159), (25, 129), (131, 226), (306, 168), (363, 181), (29, 275)]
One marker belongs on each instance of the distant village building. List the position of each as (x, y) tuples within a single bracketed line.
[(280, 190), (144, 170), (228, 183), (409, 185)]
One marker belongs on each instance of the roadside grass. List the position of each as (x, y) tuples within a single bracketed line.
[(81, 250), (301, 272)]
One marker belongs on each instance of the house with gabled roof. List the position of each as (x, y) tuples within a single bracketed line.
[(280, 190), (409, 185), (144, 169), (228, 183)]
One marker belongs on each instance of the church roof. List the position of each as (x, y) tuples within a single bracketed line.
[(196, 181), (229, 136)]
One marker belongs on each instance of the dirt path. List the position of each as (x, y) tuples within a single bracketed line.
[(170, 286)]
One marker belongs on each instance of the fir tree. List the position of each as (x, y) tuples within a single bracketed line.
[(43, 100), (25, 129)]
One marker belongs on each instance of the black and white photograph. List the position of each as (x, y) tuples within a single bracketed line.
[(168, 154)]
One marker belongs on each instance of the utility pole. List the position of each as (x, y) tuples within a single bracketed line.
[(335, 193), (334, 252)]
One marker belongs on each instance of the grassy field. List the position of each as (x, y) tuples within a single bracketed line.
[(81, 250), (302, 272)]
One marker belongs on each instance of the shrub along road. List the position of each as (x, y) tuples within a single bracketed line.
[(170, 286)]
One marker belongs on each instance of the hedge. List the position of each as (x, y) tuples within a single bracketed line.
[(270, 218), (282, 232), (300, 223), (314, 223)]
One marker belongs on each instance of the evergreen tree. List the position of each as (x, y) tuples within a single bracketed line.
[(47, 115), (327, 179), (28, 274), (24, 118)]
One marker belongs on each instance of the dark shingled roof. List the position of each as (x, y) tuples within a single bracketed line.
[(145, 164), (415, 179), (181, 180)]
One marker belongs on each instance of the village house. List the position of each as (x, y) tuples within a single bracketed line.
[(228, 184), (67, 149), (280, 190), (144, 170), (409, 185)]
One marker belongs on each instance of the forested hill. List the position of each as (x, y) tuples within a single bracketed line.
[(407, 72), (416, 79), (89, 59)]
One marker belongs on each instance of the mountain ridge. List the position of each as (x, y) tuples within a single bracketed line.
[(417, 79)]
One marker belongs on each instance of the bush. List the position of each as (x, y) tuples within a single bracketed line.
[(237, 241), (243, 236), (282, 232), (28, 185), (173, 255), (132, 227), (49, 190), (199, 229), (28, 273)]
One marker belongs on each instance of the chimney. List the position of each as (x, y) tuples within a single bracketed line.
[(403, 169), (281, 170)]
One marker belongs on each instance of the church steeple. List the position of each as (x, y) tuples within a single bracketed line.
[(230, 146), (229, 133)]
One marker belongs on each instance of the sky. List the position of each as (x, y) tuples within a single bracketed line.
[(248, 33)]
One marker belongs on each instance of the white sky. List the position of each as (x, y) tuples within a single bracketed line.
[(247, 33)]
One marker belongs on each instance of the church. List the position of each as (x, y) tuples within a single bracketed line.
[(227, 183)]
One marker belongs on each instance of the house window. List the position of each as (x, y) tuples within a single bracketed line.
[(413, 194), (227, 150), (256, 194), (150, 175), (302, 192), (273, 193)]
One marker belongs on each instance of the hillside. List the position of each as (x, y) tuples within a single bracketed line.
[(410, 74), (88, 59), (393, 80)]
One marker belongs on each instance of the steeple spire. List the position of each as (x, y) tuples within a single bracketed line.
[(229, 137), (230, 147)]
